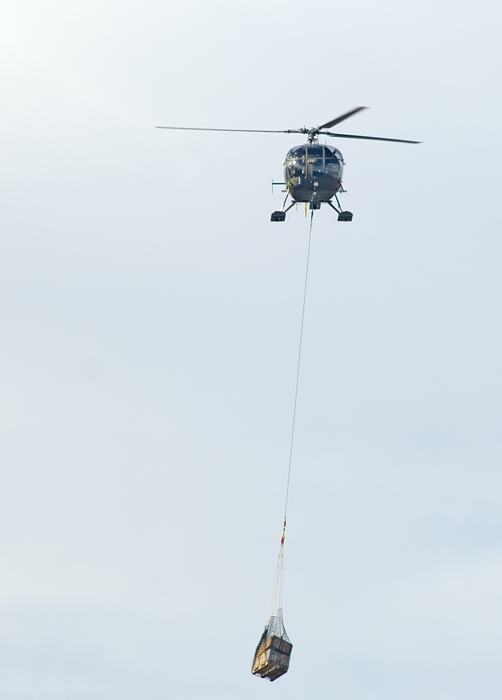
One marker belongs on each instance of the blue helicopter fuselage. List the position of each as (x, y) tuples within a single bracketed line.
[(313, 172)]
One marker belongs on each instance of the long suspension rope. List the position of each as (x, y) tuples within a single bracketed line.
[(275, 608), (297, 376), (276, 599)]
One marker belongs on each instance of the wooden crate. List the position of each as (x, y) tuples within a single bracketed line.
[(272, 656)]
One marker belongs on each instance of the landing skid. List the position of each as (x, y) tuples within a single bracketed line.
[(281, 215), (342, 215), (278, 216)]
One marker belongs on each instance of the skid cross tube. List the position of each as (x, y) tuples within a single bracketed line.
[(285, 200), (338, 211)]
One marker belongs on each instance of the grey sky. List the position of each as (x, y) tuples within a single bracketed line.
[(150, 316)]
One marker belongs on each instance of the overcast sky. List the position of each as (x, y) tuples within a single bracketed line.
[(149, 316)]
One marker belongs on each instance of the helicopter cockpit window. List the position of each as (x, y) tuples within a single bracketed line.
[(314, 152), (333, 162), (295, 163), (315, 161), (298, 152), (294, 168)]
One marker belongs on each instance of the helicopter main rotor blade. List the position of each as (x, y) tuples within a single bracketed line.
[(368, 138), (248, 131), (342, 118)]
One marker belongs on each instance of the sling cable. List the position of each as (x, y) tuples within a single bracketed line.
[(272, 655)]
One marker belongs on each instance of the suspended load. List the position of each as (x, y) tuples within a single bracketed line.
[(273, 652), (271, 658)]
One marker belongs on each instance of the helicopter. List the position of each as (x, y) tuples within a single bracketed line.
[(312, 172)]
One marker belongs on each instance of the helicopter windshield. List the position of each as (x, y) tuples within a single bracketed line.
[(298, 152), (331, 152), (315, 151), (333, 162), (295, 162), (313, 161)]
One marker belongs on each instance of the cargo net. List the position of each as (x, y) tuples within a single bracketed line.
[(275, 627), (272, 655)]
